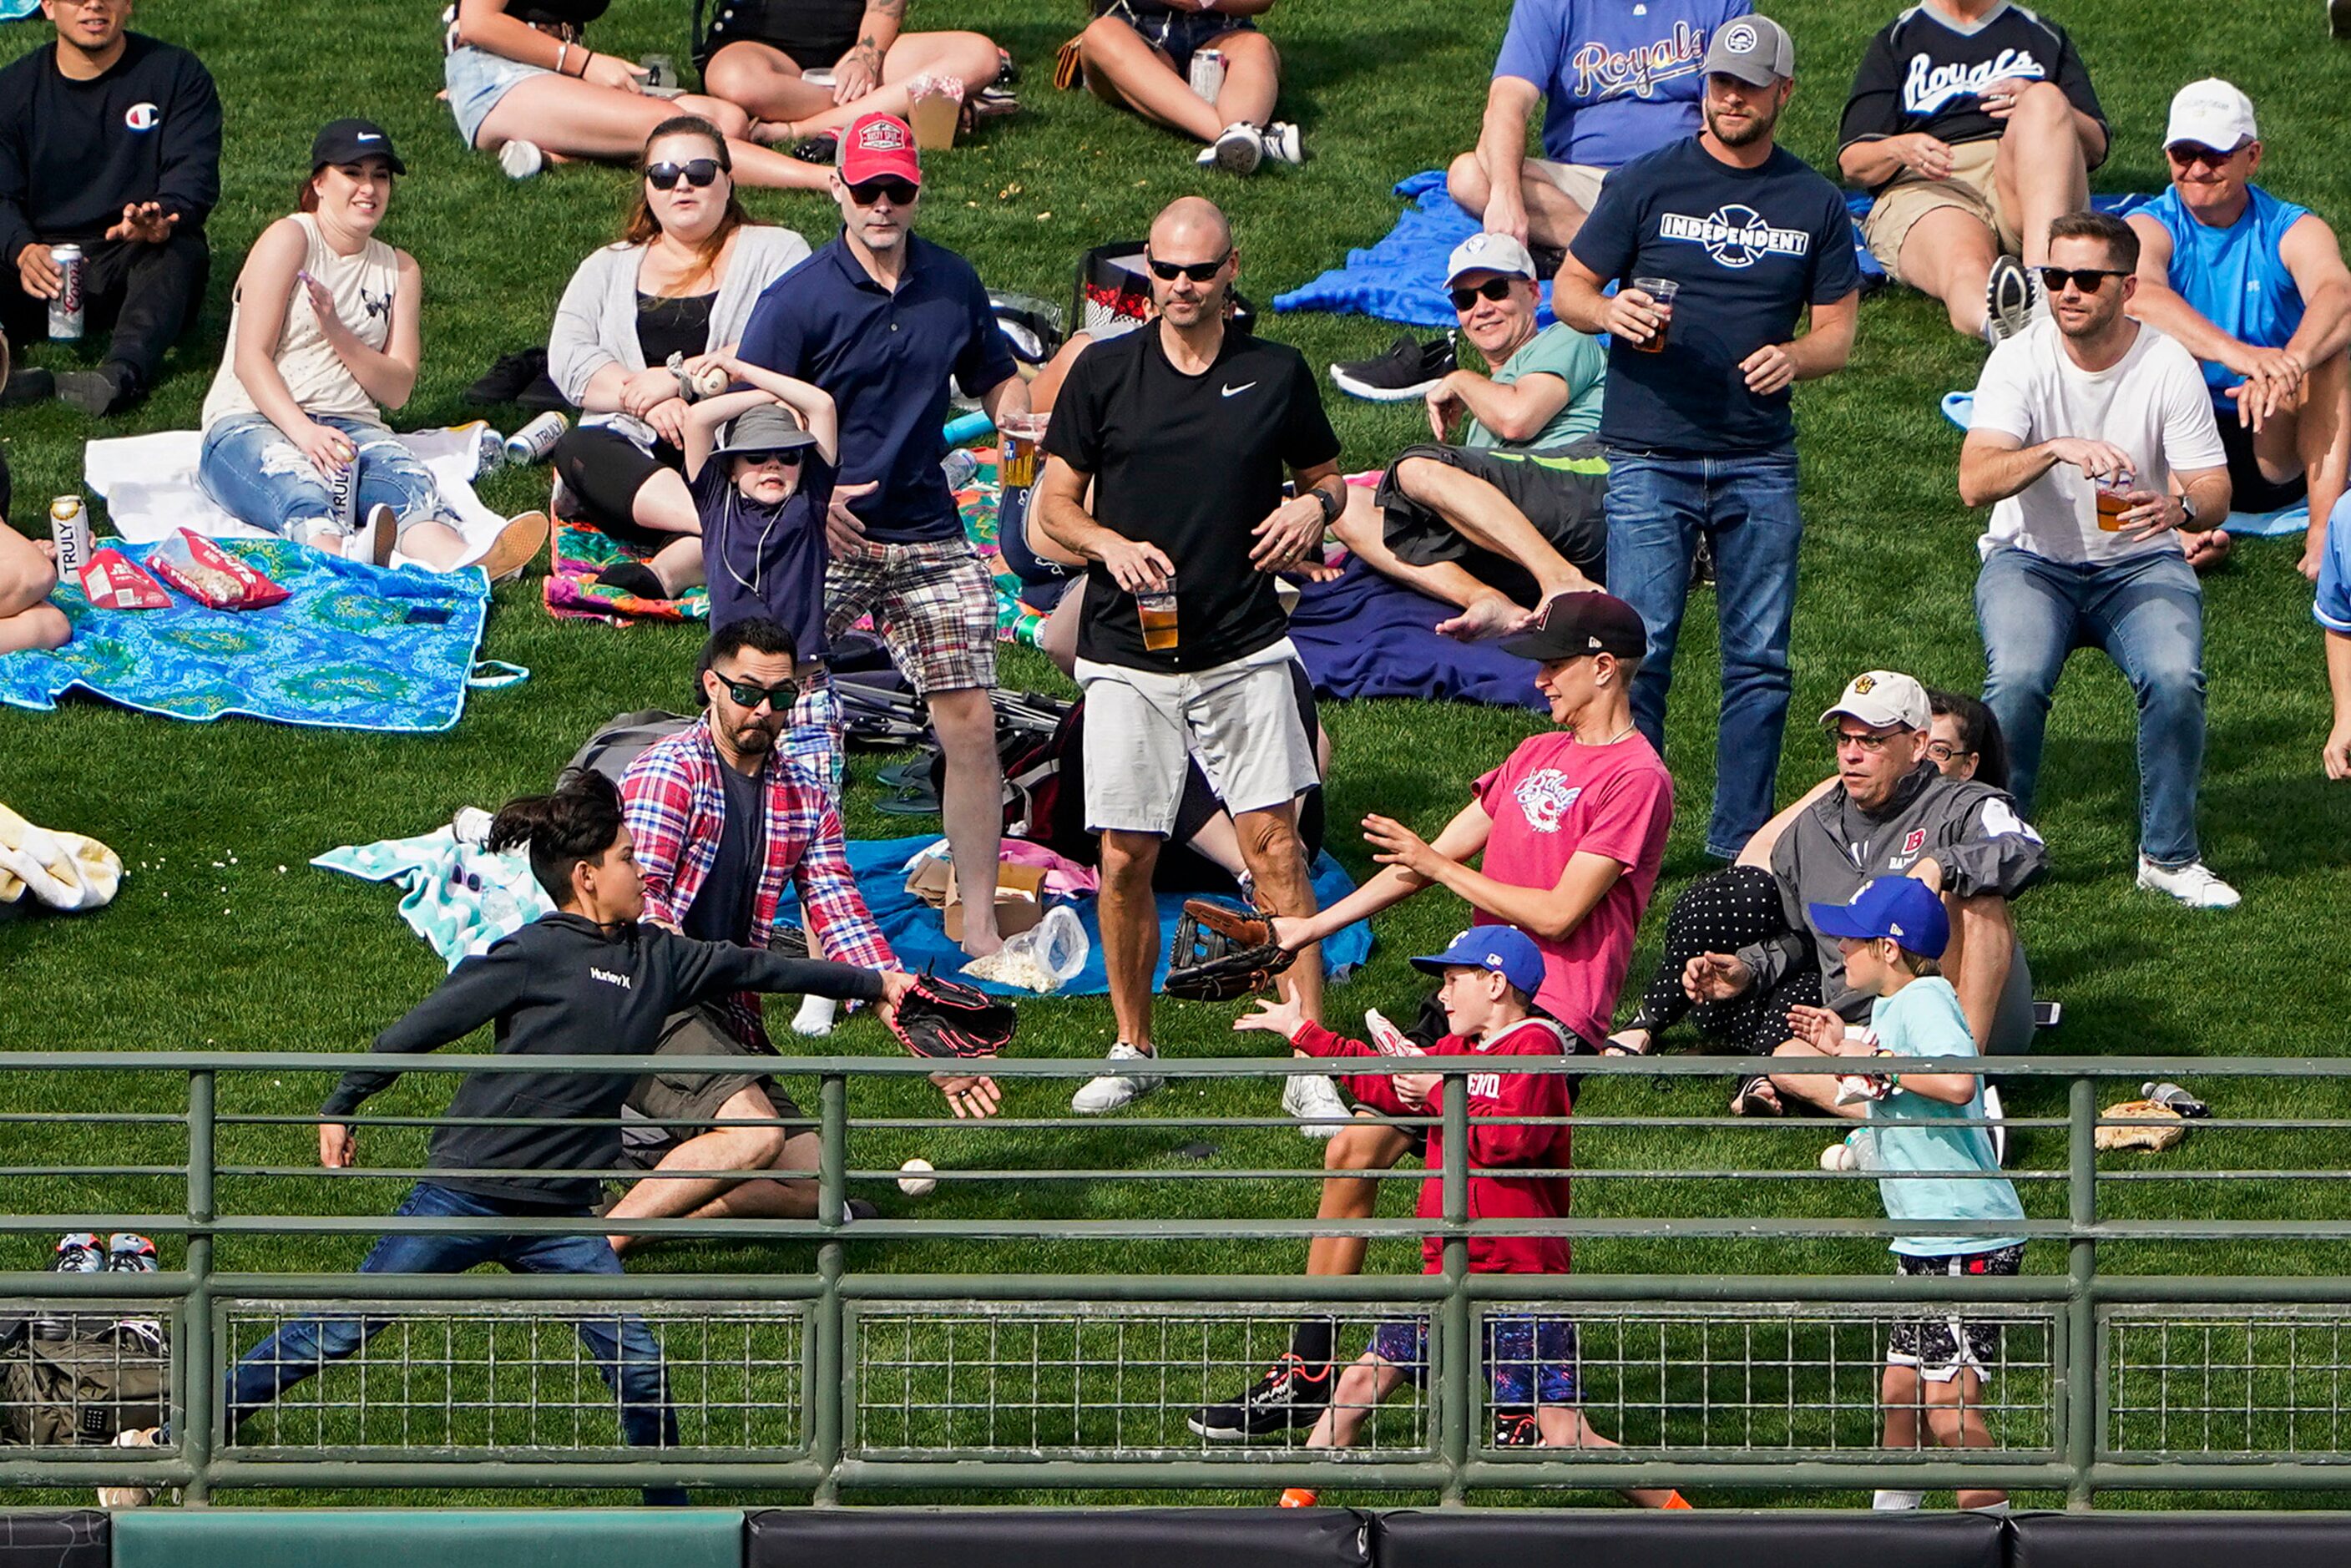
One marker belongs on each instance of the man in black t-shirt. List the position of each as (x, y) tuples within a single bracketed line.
[(1183, 429), (109, 141), (1973, 124), (1698, 426)]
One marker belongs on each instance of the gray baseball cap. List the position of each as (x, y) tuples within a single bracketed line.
[(1755, 49), (763, 429)]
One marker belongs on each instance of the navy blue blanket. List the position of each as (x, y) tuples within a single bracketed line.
[(1363, 635)]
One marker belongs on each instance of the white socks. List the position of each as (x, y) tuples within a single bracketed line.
[(1885, 1501), (815, 1016)]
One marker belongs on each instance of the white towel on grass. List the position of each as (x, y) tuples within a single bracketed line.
[(149, 485)]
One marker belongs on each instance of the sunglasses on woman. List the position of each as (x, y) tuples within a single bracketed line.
[(2088, 279), (1495, 289), (902, 193), (701, 173), (1197, 271)]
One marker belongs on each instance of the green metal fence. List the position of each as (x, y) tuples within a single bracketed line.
[(845, 1378)]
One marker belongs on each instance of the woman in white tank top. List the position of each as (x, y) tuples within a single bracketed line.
[(323, 337)]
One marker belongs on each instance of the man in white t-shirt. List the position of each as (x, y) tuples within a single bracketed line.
[(2092, 441)]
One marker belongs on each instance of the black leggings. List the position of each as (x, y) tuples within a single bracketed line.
[(603, 470), (1723, 913)]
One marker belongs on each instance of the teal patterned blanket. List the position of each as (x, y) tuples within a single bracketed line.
[(355, 647)]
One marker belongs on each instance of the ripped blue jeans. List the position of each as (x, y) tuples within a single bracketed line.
[(260, 477)]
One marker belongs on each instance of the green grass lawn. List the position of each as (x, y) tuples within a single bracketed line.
[(222, 937)]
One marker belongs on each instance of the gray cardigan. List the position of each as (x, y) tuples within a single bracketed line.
[(596, 324)]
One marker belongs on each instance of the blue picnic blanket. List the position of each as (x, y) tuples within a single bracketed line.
[(1402, 278), (916, 937), (1364, 635), (355, 647), (1959, 407)]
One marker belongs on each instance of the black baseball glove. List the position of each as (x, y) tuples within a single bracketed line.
[(948, 1019), (1220, 953)]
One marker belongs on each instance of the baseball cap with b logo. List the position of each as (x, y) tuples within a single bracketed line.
[(879, 147)]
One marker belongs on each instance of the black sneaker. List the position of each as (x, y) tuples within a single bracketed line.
[(1287, 1397), (1514, 1428), (1406, 372), (29, 384)]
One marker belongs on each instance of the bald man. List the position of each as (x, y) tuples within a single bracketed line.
[(1183, 429)]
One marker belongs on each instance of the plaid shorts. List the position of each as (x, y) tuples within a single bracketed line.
[(933, 604), (813, 734)]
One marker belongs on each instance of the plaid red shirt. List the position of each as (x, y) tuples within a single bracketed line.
[(675, 805)]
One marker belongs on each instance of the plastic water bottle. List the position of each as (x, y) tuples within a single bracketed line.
[(959, 467)]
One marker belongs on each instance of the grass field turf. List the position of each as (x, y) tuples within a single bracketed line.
[(241, 956)]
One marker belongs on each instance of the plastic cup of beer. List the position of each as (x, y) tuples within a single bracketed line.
[(1016, 464), (1662, 290), (1157, 606), (2113, 497)]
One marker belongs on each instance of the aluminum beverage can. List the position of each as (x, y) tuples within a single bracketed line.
[(343, 495), (70, 531), (1208, 73), (534, 441), (65, 311)]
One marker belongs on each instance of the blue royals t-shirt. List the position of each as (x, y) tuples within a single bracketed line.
[(1618, 78), (1750, 249)]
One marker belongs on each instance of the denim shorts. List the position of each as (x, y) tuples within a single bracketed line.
[(477, 79), (253, 473), (1179, 35), (1528, 1360)]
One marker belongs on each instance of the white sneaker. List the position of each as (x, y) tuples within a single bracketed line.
[(1315, 1101), (2010, 297), (1112, 1091), (2193, 884), (375, 536), (1239, 149), (521, 159), (1281, 142), (129, 1497), (814, 1020)]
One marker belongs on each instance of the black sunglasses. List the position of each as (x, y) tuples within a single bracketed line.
[(778, 697), (1197, 271), (2186, 154), (1494, 288), (2088, 279), (902, 193), (789, 457), (701, 174)]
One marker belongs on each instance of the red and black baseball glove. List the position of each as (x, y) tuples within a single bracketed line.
[(948, 1019)]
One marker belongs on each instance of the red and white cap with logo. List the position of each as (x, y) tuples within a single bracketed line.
[(879, 147)]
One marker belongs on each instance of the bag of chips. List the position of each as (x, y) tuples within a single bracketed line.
[(211, 576), (113, 580)]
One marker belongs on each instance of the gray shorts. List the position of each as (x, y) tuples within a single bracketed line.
[(1143, 727), (666, 1109)]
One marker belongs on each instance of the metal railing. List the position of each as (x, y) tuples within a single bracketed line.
[(838, 1377)]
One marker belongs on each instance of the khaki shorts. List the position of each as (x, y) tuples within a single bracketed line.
[(1971, 188), (1579, 183), (665, 1109)]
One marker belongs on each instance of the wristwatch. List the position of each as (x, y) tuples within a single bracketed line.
[(1332, 505), (2186, 511)]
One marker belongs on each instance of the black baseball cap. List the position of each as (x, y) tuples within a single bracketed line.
[(348, 140), (1570, 625)]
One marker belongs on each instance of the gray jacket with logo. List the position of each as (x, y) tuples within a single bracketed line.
[(1972, 830)]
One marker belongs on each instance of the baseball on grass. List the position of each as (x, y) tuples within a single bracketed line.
[(916, 1180), (1837, 1157)]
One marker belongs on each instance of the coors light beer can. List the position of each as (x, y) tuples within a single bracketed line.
[(70, 531), (65, 309)]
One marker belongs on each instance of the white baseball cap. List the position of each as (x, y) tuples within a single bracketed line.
[(1489, 253), (1883, 697), (2210, 113)]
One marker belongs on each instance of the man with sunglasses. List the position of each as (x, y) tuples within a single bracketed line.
[(1891, 811), (882, 320), (1973, 124), (1513, 514), (2256, 289), (1183, 429), (725, 822), (2092, 441)]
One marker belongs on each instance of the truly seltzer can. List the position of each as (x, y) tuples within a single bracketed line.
[(343, 495), (70, 531), (1208, 73), (536, 440), (65, 311)]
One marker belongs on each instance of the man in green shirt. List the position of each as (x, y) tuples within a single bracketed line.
[(1511, 514)]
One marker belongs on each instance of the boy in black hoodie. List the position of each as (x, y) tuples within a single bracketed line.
[(587, 981)]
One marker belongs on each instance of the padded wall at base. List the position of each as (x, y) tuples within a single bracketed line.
[(1601, 1538), (428, 1538), (1058, 1538), (74, 1539), (2152, 1540)]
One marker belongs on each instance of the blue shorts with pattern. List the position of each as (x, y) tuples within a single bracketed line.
[(1528, 1360)]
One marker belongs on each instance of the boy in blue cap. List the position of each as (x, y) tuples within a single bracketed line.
[(1890, 933), (1490, 974)]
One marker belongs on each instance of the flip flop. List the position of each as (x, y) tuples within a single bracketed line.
[(1748, 1099)]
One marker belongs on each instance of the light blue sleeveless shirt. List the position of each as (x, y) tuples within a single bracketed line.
[(2233, 277)]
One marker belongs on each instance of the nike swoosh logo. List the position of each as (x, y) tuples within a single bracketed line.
[(1242, 388)]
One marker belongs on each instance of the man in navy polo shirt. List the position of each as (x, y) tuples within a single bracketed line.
[(1697, 425), (880, 319)]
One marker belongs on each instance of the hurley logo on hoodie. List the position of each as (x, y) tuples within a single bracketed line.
[(611, 978)]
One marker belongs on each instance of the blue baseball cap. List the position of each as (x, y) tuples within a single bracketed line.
[(1504, 949), (1900, 907)]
